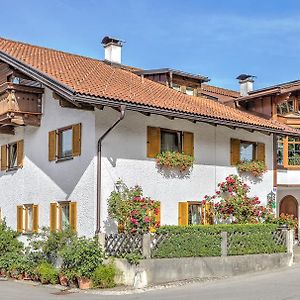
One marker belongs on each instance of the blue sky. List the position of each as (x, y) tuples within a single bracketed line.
[(216, 38)]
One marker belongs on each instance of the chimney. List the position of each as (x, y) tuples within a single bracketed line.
[(246, 84), (112, 49)]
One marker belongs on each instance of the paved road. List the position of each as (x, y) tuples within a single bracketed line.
[(278, 285)]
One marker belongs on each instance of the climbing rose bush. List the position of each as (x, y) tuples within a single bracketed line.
[(232, 202)]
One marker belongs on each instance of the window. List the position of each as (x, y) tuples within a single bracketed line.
[(159, 140), (189, 91), (246, 151), (193, 213), (63, 215), (12, 156), (176, 87), (27, 218), (288, 151), (280, 151), (170, 140), (285, 107), (65, 147), (65, 143)]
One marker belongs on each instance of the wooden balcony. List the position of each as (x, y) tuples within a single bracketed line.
[(20, 105)]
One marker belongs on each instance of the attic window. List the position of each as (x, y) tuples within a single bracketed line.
[(286, 107), (176, 87), (189, 91)]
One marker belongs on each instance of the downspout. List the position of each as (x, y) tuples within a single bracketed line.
[(99, 166)]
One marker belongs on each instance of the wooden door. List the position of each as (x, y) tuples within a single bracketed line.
[(289, 205)]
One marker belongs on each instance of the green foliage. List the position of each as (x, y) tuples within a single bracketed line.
[(256, 168), (47, 273), (205, 240), (82, 256), (8, 240), (133, 258), (46, 245), (104, 276), (177, 160)]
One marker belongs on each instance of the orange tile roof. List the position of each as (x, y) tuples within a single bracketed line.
[(92, 77), (220, 91)]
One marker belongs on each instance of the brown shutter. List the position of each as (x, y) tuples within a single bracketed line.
[(73, 216), (260, 151), (188, 143), (4, 162), (235, 151), (52, 145), (20, 153), (53, 217), (285, 152), (76, 129), (153, 141), (20, 226), (183, 213), (35, 218), (157, 216)]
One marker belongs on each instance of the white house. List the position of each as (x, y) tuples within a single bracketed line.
[(56, 106)]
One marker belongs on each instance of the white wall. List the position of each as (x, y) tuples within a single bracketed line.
[(40, 181), (124, 156), (288, 176)]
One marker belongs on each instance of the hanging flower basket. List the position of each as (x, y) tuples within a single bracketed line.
[(175, 160), (256, 168)]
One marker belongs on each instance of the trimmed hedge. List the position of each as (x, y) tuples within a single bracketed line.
[(205, 240)]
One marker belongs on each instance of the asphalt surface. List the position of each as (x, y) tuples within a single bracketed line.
[(281, 284)]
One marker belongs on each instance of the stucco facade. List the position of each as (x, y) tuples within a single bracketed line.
[(124, 155)]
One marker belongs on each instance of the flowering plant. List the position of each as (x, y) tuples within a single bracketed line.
[(232, 202), (286, 219), (133, 212), (172, 159), (256, 168)]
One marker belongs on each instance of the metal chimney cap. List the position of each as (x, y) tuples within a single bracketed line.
[(108, 39), (245, 76)]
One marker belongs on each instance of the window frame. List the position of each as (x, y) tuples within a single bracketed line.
[(179, 136), (294, 99), (60, 205), (26, 208), (9, 167), (254, 151), (286, 164), (59, 133)]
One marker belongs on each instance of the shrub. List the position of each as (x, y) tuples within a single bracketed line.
[(177, 160), (104, 276), (256, 168), (82, 256), (205, 240), (47, 273), (8, 240)]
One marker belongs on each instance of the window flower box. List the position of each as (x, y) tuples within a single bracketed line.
[(175, 160), (256, 168)]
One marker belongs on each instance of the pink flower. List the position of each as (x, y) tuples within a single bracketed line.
[(147, 219)]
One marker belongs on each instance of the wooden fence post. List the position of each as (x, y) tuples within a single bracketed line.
[(146, 245), (289, 239), (224, 243)]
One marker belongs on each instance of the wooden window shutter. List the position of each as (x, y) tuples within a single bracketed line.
[(235, 151), (20, 153), (76, 129), (158, 214), (188, 143), (53, 217), (4, 161), (153, 141), (52, 145), (183, 213), (73, 216), (260, 151), (35, 218), (20, 212)]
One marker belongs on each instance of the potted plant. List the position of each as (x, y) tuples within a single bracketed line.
[(174, 160), (81, 258), (256, 168)]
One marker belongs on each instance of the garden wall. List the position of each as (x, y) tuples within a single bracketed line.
[(158, 271)]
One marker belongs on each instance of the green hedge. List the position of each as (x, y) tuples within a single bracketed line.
[(205, 240)]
